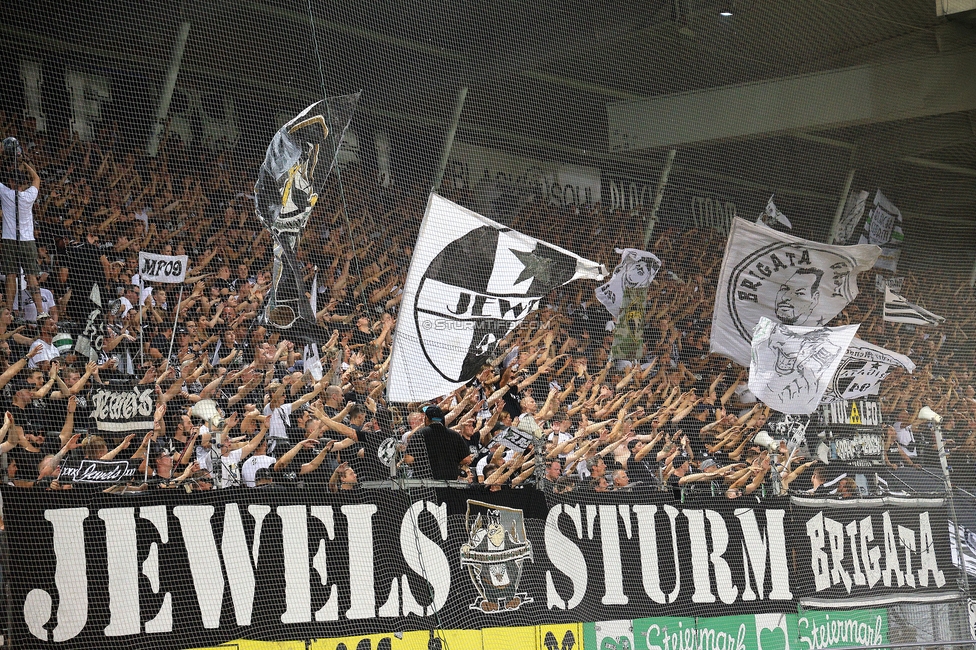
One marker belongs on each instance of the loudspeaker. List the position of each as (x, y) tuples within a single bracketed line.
[(206, 410), (929, 415), (763, 439)]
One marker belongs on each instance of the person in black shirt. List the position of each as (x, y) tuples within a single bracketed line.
[(436, 451)]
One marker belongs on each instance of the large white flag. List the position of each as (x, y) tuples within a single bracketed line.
[(791, 366), (861, 370), (883, 227), (471, 282), (899, 310), (636, 270), (771, 274)]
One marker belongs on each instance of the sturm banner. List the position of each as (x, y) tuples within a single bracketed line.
[(170, 569), (169, 269)]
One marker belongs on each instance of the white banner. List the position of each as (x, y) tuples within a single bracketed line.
[(862, 369), (636, 270), (784, 278), (895, 284), (791, 365), (883, 227), (162, 268), (471, 282)]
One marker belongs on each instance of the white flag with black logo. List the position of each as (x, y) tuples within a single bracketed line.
[(899, 310), (471, 282), (636, 270), (771, 274), (791, 366), (883, 227), (861, 371)]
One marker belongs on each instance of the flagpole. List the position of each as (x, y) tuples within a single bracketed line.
[(839, 212), (176, 320), (658, 196), (449, 139)]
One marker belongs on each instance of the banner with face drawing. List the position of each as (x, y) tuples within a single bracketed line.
[(792, 366), (471, 282), (786, 279)]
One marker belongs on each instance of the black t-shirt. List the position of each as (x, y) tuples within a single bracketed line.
[(373, 469), (445, 450)]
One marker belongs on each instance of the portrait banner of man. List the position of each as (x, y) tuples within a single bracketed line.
[(791, 367), (786, 279), (624, 295)]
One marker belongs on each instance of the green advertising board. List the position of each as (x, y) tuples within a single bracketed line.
[(808, 630)]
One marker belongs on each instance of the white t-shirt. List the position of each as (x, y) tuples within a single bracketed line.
[(25, 202), (48, 353), (280, 420), (251, 466), (30, 309), (230, 470), (905, 439)]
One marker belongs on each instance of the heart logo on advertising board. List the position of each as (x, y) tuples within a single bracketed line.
[(621, 643), (773, 639)]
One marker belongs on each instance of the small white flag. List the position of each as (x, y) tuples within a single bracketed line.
[(772, 215), (791, 366), (899, 310), (636, 270), (862, 370)]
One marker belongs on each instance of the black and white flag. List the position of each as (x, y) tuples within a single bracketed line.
[(862, 369), (853, 211), (635, 271), (298, 161), (899, 310), (89, 342), (471, 282), (771, 274), (883, 227), (162, 268), (791, 366), (772, 216)]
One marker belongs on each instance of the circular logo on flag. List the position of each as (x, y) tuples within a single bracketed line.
[(477, 290), (797, 284)]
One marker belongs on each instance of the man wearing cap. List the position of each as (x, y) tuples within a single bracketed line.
[(435, 451)]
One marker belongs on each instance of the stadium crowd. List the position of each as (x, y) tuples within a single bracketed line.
[(679, 419)]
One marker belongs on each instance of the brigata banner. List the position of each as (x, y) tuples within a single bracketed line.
[(162, 268), (873, 555), (171, 569)]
